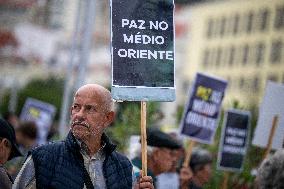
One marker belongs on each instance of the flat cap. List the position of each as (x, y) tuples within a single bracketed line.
[(157, 138), (7, 131)]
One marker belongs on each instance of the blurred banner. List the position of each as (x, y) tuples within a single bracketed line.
[(234, 141), (142, 50), (41, 113), (201, 113), (272, 105)]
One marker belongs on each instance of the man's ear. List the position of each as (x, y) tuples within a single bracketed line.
[(109, 118), (6, 142)]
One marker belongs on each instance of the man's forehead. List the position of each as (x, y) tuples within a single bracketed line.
[(85, 99), (92, 91)]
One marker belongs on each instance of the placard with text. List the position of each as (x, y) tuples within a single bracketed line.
[(234, 140), (41, 113), (201, 113), (142, 50)]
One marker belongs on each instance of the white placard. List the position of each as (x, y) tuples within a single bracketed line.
[(272, 105)]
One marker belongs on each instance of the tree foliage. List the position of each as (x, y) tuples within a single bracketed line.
[(128, 119), (49, 90)]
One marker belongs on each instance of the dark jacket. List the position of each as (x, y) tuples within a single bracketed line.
[(61, 165)]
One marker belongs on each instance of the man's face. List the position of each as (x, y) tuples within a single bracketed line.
[(164, 159), (88, 116), (205, 173)]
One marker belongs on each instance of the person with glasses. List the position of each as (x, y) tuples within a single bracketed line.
[(86, 158)]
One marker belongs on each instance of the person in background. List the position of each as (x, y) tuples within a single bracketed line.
[(86, 158), (8, 151), (161, 155), (175, 178), (26, 135), (270, 174), (11, 118), (201, 166)]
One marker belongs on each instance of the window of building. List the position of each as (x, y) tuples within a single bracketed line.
[(213, 56), (260, 52), (232, 55), (264, 18), (216, 28), (222, 26), (205, 58), (279, 18), (241, 83), (218, 56), (229, 25), (245, 54), (236, 24), (209, 28), (225, 56), (250, 18), (238, 55), (276, 51)]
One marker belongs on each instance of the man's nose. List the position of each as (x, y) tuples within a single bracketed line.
[(80, 113)]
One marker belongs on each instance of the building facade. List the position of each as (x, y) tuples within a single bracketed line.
[(239, 41)]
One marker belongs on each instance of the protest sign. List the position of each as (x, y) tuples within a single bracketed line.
[(142, 50), (41, 113), (234, 141), (272, 106), (201, 113)]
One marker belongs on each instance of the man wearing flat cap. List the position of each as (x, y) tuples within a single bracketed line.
[(160, 153), (201, 166), (8, 150)]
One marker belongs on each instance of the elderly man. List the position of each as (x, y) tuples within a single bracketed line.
[(201, 166), (8, 150), (271, 172), (161, 155), (87, 158)]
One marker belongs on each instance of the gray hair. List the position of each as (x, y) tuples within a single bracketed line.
[(271, 172), (199, 158)]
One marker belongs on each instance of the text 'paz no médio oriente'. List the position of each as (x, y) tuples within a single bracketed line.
[(139, 38)]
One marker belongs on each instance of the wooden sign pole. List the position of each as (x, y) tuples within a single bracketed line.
[(271, 135), (188, 153), (143, 138), (225, 180)]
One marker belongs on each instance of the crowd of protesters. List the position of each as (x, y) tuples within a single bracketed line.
[(87, 158)]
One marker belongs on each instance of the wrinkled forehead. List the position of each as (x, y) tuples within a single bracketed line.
[(90, 95), (87, 93), (93, 94)]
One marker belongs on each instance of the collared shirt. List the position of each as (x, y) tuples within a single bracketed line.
[(168, 180), (94, 166)]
